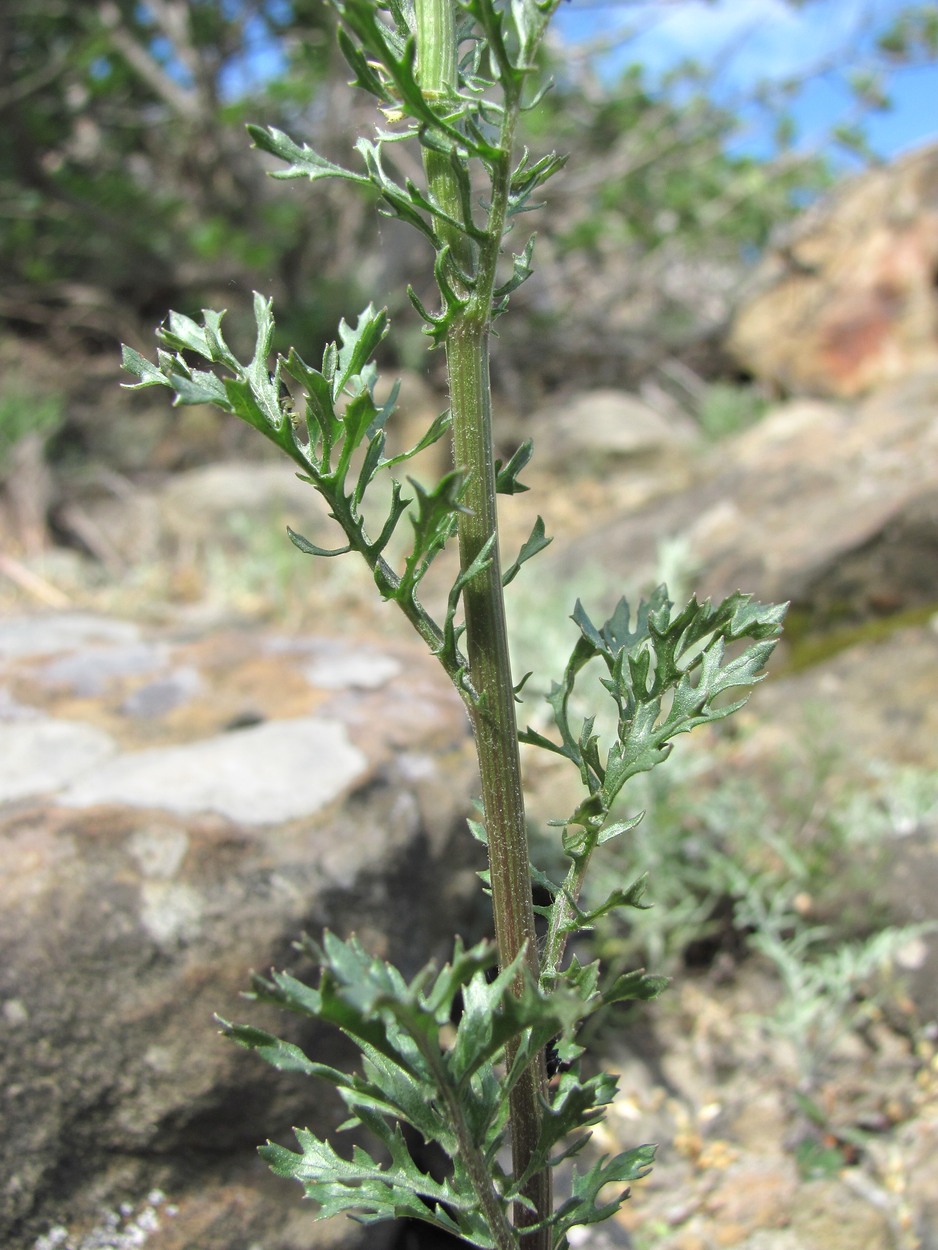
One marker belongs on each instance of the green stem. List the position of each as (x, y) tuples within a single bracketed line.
[(495, 728), (502, 1233), (493, 714)]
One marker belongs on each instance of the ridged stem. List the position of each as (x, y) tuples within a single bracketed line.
[(494, 724)]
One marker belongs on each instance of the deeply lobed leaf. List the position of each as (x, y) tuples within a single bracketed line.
[(449, 1084), (665, 675), (584, 1207)]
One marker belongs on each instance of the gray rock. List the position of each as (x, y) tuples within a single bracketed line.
[(213, 505), (589, 430), (54, 634), (11, 709), (39, 756), (827, 506), (910, 892), (264, 774), (333, 664), (875, 698), (361, 672), (157, 698), (90, 670)]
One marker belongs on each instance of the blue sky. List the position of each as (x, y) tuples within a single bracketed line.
[(753, 40)]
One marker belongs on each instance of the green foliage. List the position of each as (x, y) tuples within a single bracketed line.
[(724, 410), (459, 1054), (340, 420), (126, 188), (669, 171), (121, 155), (23, 412), (447, 1083), (665, 677), (913, 35), (830, 988)]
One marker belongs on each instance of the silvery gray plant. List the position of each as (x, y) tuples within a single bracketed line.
[(454, 76)]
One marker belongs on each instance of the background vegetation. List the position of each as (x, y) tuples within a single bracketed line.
[(127, 184)]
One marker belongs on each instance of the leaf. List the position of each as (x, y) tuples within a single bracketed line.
[(358, 345), (536, 542), (583, 1207), (365, 75), (302, 161), (184, 334), (282, 1055), (506, 476), (436, 327), (440, 426), (284, 990), (450, 1087), (362, 1185), (434, 523), (527, 178), (258, 407), (575, 1105), (397, 1026), (629, 897), (608, 832), (451, 631), (521, 271), (395, 197), (145, 370), (197, 386), (498, 1012), (664, 656), (635, 985), (310, 549)]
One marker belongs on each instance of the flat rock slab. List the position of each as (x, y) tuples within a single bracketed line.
[(43, 754), (92, 713), (61, 634), (263, 774)]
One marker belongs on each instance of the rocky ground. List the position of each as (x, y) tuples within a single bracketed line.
[(131, 715), (208, 743)]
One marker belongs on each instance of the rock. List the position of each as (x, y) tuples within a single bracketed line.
[(592, 431), (828, 507), (61, 634), (849, 301), (263, 774), (910, 895), (875, 697), (752, 1194), (193, 515), (89, 671), (160, 696), (154, 851), (44, 754)]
